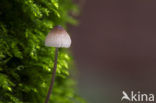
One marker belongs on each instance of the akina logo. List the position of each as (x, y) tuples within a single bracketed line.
[(137, 97)]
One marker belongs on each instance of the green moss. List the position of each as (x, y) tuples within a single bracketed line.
[(25, 63)]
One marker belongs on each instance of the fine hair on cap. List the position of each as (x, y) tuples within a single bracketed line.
[(58, 37)]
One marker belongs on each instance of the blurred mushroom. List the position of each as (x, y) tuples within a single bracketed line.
[(58, 38)]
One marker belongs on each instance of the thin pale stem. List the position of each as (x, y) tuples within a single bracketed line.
[(52, 77)]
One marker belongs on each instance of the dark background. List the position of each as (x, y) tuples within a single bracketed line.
[(114, 48)]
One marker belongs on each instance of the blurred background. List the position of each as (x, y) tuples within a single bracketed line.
[(114, 47)]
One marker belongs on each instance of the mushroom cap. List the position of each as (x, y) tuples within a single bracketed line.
[(58, 37)]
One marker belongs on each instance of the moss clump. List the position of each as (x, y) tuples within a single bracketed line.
[(25, 63)]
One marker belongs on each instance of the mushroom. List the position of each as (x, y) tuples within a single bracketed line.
[(58, 38)]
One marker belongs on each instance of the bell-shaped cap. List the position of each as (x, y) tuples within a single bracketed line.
[(58, 37)]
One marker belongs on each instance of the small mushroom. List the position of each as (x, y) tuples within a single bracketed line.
[(58, 38)]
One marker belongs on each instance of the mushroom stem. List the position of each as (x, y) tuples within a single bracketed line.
[(53, 76)]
